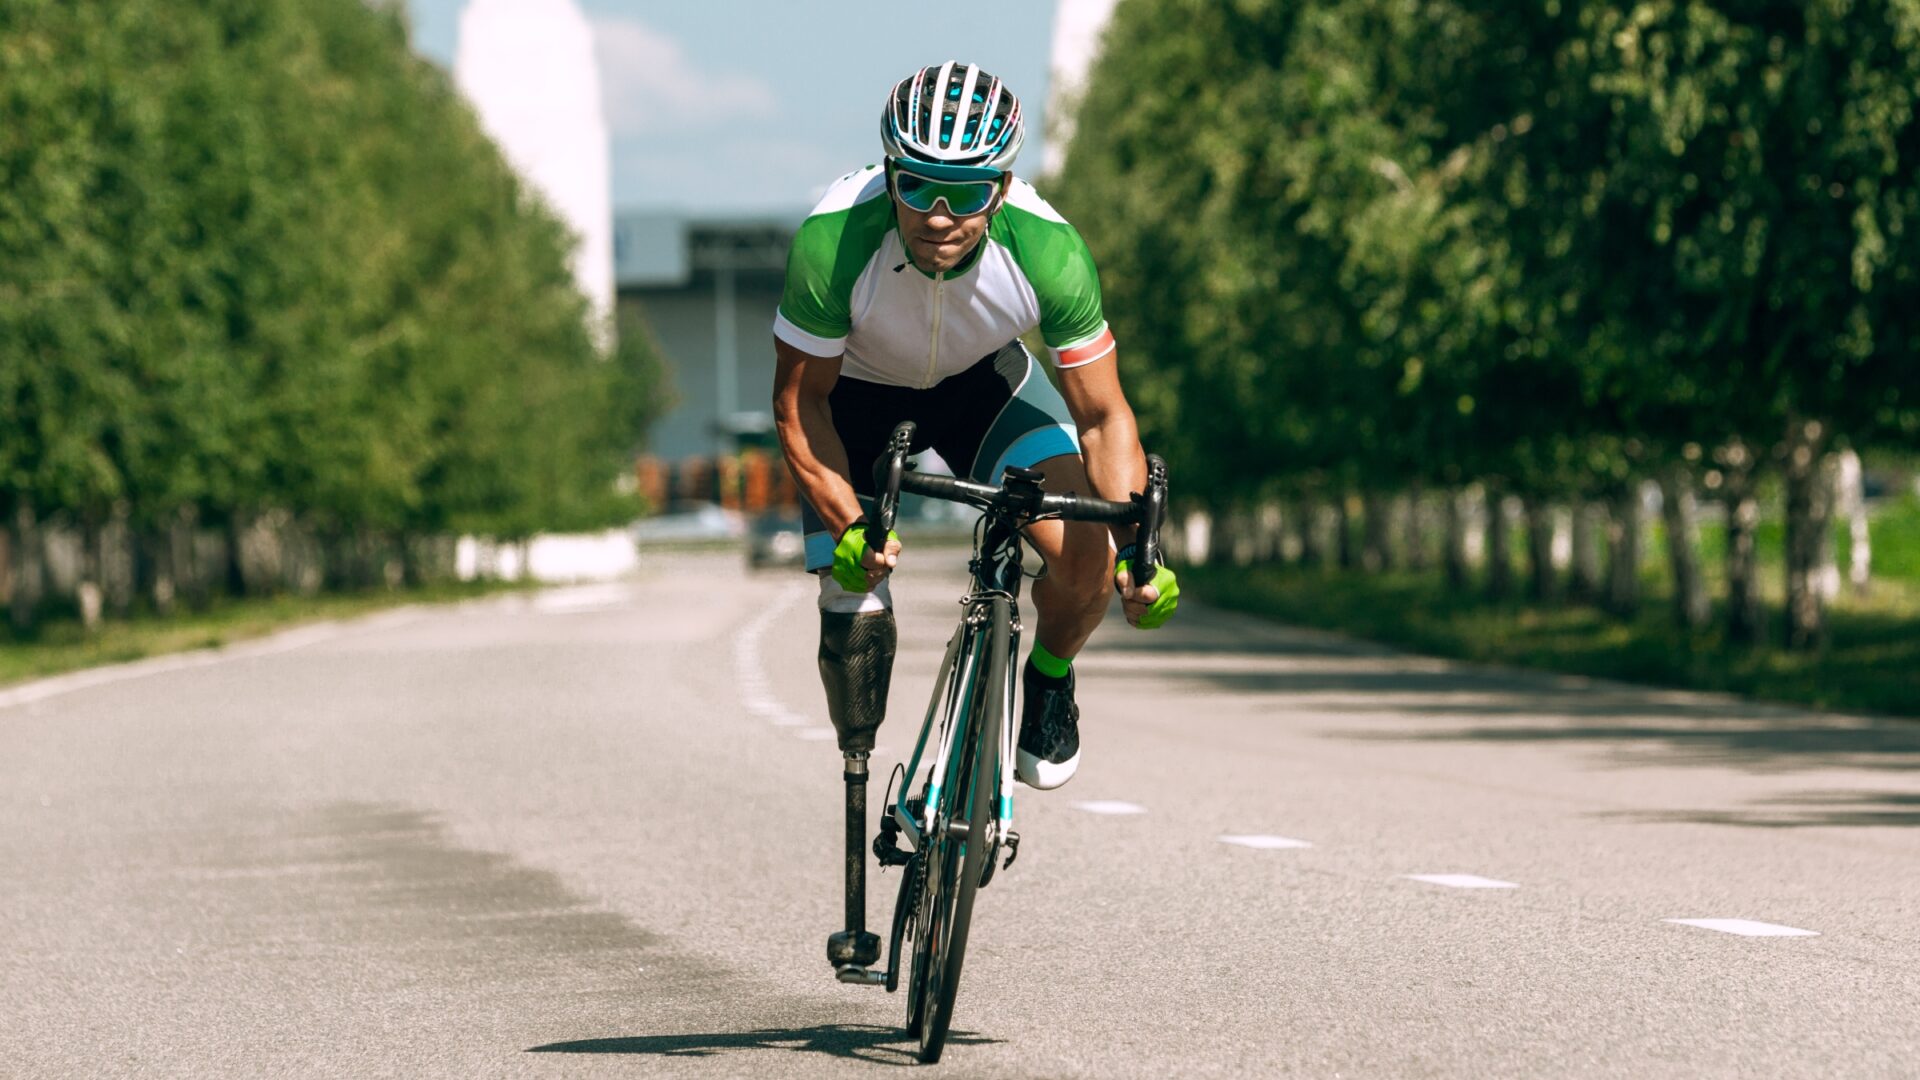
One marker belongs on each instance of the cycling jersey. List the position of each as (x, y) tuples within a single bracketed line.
[(852, 289)]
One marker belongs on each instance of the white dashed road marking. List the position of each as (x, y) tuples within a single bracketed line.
[(1746, 927), (1264, 843), (756, 692), (1110, 806), (815, 734), (1462, 881)]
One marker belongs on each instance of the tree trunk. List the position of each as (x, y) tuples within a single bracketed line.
[(1744, 620), (28, 568), (1588, 525), (184, 555), (88, 594), (1454, 538), (6, 563), (1542, 585), (1343, 532), (1680, 510), (1376, 553), (1623, 552), (1306, 526), (1414, 530), (118, 555), (1809, 514), (1498, 548), (235, 562), (1850, 500), (1270, 530)]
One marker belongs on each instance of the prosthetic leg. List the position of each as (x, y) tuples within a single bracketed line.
[(856, 667)]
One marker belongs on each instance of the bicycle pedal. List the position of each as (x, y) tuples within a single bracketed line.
[(1012, 841), (856, 975)]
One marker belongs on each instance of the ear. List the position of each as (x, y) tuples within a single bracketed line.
[(1000, 200)]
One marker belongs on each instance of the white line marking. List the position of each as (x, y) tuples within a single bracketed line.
[(749, 670), (1746, 927), (1462, 881), (1264, 843), (815, 734), (1110, 806)]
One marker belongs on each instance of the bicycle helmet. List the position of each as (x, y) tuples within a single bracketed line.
[(953, 114)]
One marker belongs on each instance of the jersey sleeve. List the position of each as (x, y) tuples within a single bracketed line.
[(829, 252), (815, 313), (1060, 268)]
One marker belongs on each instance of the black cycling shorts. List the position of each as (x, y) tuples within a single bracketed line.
[(1001, 411)]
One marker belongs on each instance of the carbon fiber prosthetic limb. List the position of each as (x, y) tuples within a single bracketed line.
[(856, 667), (857, 639)]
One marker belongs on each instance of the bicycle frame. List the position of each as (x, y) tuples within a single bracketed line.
[(996, 572)]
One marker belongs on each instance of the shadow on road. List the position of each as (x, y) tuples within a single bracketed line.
[(1377, 696), (861, 1042), (1811, 810)]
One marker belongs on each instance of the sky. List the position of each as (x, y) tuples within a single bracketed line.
[(737, 106)]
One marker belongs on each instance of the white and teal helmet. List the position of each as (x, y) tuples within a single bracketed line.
[(953, 114)]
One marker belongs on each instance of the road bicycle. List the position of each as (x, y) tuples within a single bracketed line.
[(961, 820)]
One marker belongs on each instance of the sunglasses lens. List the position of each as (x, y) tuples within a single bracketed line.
[(963, 199)]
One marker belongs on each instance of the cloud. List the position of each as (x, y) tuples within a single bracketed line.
[(649, 85)]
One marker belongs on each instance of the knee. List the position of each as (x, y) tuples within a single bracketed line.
[(1084, 569)]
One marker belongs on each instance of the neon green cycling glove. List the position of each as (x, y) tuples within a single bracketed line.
[(1163, 582), (849, 555)]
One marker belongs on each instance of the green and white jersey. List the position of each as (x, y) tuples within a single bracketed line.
[(851, 289)]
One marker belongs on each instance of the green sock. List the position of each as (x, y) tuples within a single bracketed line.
[(1053, 667)]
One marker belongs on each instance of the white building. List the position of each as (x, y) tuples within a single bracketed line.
[(528, 68), (1077, 25)]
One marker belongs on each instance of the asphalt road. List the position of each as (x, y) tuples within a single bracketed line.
[(595, 832)]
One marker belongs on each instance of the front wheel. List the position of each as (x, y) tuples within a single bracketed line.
[(955, 866)]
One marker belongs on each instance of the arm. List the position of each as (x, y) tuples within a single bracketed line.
[(1117, 467), (804, 422), (1109, 440)]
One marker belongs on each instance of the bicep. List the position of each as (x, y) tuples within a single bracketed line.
[(800, 376), (1092, 391)]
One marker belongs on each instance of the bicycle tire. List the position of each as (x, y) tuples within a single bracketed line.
[(958, 865)]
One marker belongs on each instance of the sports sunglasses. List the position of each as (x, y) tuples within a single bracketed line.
[(964, 197)]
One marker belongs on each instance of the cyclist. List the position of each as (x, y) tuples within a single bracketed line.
[(907, 291)]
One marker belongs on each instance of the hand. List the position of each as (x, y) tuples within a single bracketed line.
[(1147, 606), (857, 567)]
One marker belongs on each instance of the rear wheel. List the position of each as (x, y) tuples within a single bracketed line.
[(955, 865)]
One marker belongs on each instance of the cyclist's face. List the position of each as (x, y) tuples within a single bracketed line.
[(938, 240)]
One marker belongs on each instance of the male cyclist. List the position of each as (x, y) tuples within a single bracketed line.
[(907, 291)]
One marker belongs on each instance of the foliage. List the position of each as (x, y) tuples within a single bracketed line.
[(255, 255), (1552, 246)]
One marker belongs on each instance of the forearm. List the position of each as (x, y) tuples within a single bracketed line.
[(818, 459), (1116, 465)]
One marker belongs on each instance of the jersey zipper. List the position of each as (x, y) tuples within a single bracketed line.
[(933, 349)]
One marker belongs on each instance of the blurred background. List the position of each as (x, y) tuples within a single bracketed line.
[(1558, 332)]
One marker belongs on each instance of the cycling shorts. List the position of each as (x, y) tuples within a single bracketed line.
[(1002, 411)]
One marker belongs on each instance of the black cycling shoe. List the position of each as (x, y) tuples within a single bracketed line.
[(1049, 750)]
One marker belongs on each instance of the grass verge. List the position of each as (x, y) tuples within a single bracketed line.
[(61, 645), (1871, 663)]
